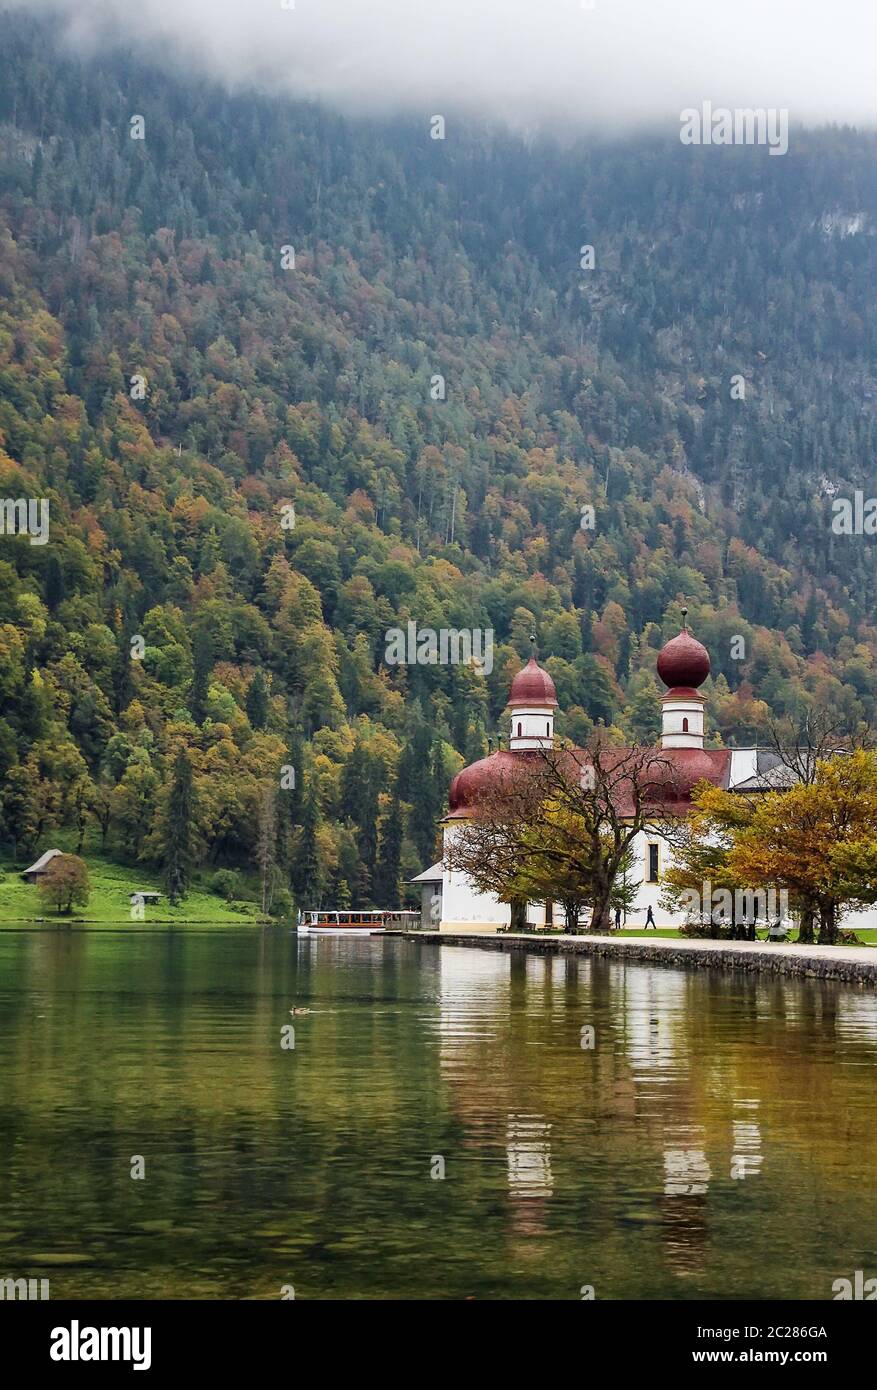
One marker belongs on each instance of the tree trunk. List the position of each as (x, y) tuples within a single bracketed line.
[(828, 924), (600, 919), (518, 915), (571, 917), (805, 931)]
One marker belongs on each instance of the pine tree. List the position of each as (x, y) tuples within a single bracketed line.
[(123, 684), (306, 873), (361, 786), (427, 804), (415, 752), (56, 589), (257, 701), (178, 830), (202, 659), (266, 844), (386, 877)]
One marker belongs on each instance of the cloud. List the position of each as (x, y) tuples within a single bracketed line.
[(555, 62)]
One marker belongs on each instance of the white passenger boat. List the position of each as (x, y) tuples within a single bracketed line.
[(343, 922)]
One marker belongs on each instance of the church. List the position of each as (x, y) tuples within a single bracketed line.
[(453, 904)]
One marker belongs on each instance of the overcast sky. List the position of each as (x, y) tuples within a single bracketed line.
[(527, 61)]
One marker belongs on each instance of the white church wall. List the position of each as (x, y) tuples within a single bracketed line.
[(464, 908), (744, 764), (648, 894)]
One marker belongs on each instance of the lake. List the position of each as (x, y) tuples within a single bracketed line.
[(714, 1136)]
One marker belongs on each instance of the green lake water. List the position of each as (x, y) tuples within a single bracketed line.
[(718, 1140)]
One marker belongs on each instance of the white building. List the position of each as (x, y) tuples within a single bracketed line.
[(683, 665)]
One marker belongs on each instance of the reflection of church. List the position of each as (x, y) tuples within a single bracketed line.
[(630, 1140), (452, 903)]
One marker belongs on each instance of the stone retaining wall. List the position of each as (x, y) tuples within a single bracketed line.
[(854, 965)]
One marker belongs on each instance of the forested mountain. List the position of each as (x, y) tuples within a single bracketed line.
[(263, 385)]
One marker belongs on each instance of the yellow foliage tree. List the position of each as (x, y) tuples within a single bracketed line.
[(819, 841)]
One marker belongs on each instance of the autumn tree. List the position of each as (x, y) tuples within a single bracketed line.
[(64, 883), (562, 826), (497, 843), (701, 844), (817, 839), (605, 796)]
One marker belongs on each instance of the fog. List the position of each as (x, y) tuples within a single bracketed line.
[(561, 63)]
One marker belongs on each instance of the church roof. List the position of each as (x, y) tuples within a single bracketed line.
[(477, 777), (683, 662), (769, 774), (533, 686), (433, 874), (676, 770)]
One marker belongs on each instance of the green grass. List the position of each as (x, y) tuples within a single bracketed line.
[(640, 931), (109, 905)]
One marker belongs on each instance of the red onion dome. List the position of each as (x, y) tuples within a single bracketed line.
[(494, 771), (532, 686), (471, 780), (684, 661)]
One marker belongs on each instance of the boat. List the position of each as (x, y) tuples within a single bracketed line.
[(342, 922)]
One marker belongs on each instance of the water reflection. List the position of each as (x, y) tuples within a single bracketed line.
[(528, 1151), (718, 1139), (686, 1171), (747, 1157)]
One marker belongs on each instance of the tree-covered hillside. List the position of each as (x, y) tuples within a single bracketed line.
[(242, 317)]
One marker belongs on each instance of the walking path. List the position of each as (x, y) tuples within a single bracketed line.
[(856, 964)]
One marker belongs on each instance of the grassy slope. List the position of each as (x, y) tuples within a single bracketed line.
[(108, 904)]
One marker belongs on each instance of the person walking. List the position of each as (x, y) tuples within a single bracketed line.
[(650, 920)]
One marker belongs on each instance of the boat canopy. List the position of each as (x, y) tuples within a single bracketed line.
[(342, 916)]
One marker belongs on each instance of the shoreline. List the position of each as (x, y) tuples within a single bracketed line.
[(126, 924), (851, 964)]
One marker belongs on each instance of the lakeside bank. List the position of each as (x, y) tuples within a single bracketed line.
[(852, 964)]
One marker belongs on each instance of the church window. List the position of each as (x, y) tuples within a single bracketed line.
[(519, 730), (652, 863), (685, 726)]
